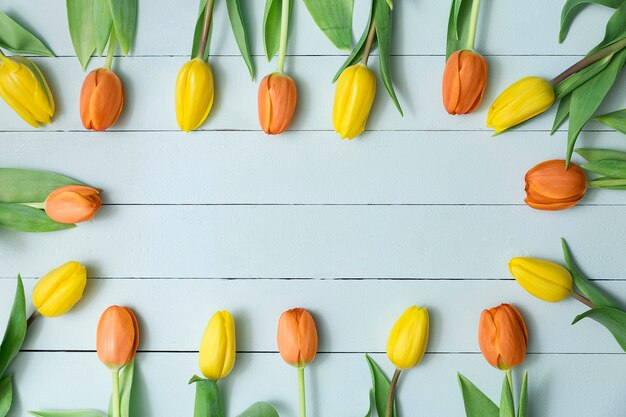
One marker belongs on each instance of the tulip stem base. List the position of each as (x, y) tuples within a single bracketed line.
[(583, 299), (40, 205), (32, 318), (369, 42), (206, 25), (111, 51), (115, 394), (284, 31), (392, 393), (471, 39), (301, 392)]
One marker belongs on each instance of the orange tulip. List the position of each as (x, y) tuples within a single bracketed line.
[(101, 99), (502, 336), (297, 337), (549, 186), (117, 337), (73, 204), (278, 96), (464, 82)]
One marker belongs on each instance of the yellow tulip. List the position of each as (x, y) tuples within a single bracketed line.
[(194, 94), (218, 347), (24, 88), (356, 89), (408, 338), (60, 289), (522, 101), (544, 279)]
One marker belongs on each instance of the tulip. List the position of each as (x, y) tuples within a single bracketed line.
[(464, 82), (24, 88), (297, 337), (356, 89), (218, 347), (101, 99), (73, 204), (117, 337), (194, 94), (522, 101), (545, 280), (278, 96), (407, 341), (502, 336), (549, 186), (60, 289)]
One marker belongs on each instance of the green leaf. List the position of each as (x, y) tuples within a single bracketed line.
[(458, 26), (522, 410), (562, 113), (611, 318), (573, 7), (380, 383), (126, 387), (370, 410), (16, 329), (382, 19), (615, 28), (124, 14), (607, 167), (29, 185), (476, 403), (197, 35), (608, 183), (573, 82), (21, 218), (334, 18), (73, 413), (615, 120), (238, 25), (208, 398), (507, 406), (16, 38), (6, 395), (102, 24), (357, 51), (592, 154), (260, 409), (81, 20), (582, 284), (271, 26), (587, 98)]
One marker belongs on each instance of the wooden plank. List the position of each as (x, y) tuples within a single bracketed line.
[(559, 385), (352, 316)]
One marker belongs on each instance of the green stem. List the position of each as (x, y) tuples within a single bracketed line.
[(112, 44), (471, 39), (588, 60), (369, 42), (583, 299), (302, 392), (115, 395), (392, 393), (39, 205), (284, 31), (208, 11)]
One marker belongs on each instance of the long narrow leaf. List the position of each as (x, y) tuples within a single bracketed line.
[(197, 35), (208, 398), (507, 406), (611, 318), (73, 413), (126, 388), (16, 328), (522, 410), (260, 409), (334, 18), (476, 403), (16, 38), (380, 382), (458, 26), (21, 218), (357, 51), (573, 7), (593, 154), (382, 17), (6, 395), (615, 28), (271, 27), (571, 83), (615, 120), (102, 24), (29, 185), (607, 167), (80, 17), (124, 14), (238, 25), (562, 113)]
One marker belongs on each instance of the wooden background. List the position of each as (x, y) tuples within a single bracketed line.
[(425, 209)]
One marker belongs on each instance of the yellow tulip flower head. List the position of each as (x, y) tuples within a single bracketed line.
[(522, 101), (356, 89), (60, 289), (24, 88), (545, 280), (218, 347), (194, 94), (408, 338)]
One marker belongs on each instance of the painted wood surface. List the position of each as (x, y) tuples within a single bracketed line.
[(425, 209)]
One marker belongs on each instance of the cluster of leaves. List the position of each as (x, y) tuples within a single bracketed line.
[(19, 187), (606, 311), (11, 343), (379, 393), (93, 22), (582, 94), (16, 38), (477, 404), (459, 26)]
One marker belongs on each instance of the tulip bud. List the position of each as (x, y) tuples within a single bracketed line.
[(60, 289), (117, 337), (356, 89), (278, 96), (73, 204), (101, 99), (194, 94), (502, 336), (464, 82), (407, 341), (218, 347), (544, 279), (24, 88), (297, 337), (549, 186), (522, 101)]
